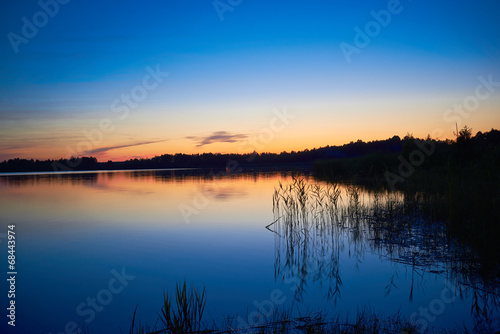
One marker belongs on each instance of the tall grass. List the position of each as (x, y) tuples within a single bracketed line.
[(459, 186), (315, 222), (186, 316), (280, 322), (183, 316)]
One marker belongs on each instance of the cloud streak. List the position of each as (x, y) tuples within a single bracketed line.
[(109, 148), (218, 137)]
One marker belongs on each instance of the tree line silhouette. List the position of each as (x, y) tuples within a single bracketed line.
[(467, 144)]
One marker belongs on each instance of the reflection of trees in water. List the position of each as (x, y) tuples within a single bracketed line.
[(317, 224), (83, 178)]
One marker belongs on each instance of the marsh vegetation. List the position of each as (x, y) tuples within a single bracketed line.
[(314, 223)]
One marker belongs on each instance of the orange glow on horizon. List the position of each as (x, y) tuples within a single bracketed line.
[(277, 146)]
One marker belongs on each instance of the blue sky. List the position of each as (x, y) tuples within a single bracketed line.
[(228, 75)]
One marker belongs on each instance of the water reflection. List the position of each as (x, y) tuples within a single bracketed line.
[(329, 243), (317, 225), (39, 179)]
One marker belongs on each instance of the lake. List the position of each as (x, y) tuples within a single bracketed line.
[(92, 246)]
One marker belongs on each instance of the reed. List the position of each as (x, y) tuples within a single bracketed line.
[(315, 224), (186, 316)]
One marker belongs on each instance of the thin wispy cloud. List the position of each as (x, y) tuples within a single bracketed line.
[(218, 137), (109, 148)]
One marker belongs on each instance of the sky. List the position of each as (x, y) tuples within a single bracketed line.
[(127, 79)]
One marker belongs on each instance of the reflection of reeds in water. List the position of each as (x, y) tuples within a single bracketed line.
[(314, 223), (306, 227)]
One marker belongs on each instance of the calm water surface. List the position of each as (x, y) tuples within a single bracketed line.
[(92, 246)]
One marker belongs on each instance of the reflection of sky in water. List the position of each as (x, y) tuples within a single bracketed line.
[(73, 230)]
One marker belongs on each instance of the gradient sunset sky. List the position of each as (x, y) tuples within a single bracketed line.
[(231, 65)]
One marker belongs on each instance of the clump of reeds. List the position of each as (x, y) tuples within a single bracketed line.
[(186, 316), (182, 317), (313, 225)]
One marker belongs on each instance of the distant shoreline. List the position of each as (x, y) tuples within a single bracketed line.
[(89, 171), (245, 168)]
